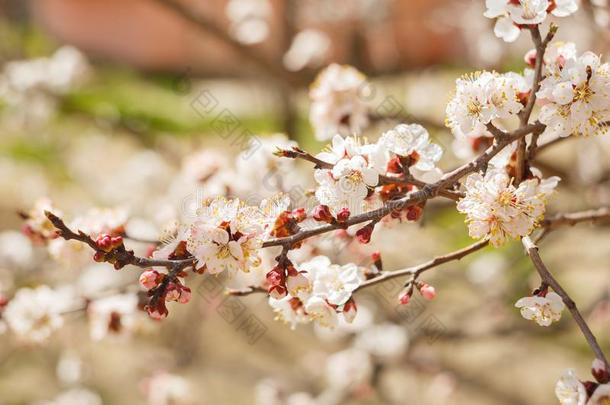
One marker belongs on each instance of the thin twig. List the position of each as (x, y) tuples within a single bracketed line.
[(121, 255), (547, 277), (415, 271), (573, 218)]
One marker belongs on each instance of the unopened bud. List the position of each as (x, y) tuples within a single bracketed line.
[(343, 214), (149, 279), (322, 213), (600, 371), (427, 291), (364, 234), (530, 58)]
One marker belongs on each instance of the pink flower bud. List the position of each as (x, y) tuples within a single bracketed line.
[(600, 371), (530, 58), (157, 312), (172, 293), (104, 242), (343, 214), (364, 234), (185, 295), (148, 279), (414, 212), (276, 276), (322, 213), (427, 291), (404, 298), (350, 310)]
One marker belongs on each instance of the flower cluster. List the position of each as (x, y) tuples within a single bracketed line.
[(318, 292), (337, 102), (33, 314), (225, 235), (31, 86), (483, 97), (175, 290), (495, 207), (575, 94), (357, 167), (513, 15)]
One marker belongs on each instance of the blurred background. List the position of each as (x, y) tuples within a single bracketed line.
[(115, 103)]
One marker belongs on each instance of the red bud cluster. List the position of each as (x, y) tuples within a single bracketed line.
[(108, 243)]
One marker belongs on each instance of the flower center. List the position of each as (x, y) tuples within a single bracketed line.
[(474, 108), (583, 93)]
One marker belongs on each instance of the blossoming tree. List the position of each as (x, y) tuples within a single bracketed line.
[(363, 187)]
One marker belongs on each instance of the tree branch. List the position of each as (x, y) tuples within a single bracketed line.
[(120, 254), (415, 271), (525, 114), (547, 277)]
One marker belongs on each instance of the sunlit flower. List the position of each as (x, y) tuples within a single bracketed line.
[(569, 390), (226, 235), (333, 282), (576, 97), (337, 102), (496, 208), (34, 314), (543, 310), (413, 141), (481, 98), (37, 226), (511, 14)]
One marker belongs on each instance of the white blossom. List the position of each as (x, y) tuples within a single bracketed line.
[(333, 282), (225, 235), (542, 310), (496, 208), (601, 395), (569, 390), (356, 169), (337, 102), (510, 14), (576, 97), (115, 314), (34, 314), (481, 98), (413, 140)]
